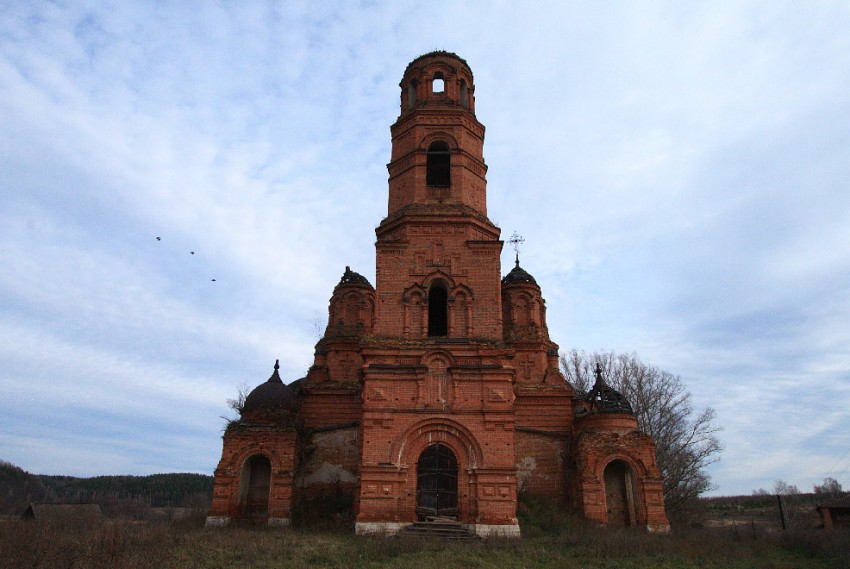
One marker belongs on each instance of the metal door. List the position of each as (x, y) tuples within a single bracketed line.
[(436, 490)]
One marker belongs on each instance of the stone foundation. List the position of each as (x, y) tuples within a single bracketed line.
[(494, 530), (217, 521), (379, 528)]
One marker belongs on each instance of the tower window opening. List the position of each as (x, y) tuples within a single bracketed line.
[(464, 95), (439, 164), (439, 84), (411, 94), (438, 310)]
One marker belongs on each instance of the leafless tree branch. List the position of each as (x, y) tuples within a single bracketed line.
[(685, 441)]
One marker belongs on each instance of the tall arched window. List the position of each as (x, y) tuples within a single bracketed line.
[(464, 94), (439, 164), (438, 310)]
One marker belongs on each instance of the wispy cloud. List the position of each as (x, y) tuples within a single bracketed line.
[(678, 173)]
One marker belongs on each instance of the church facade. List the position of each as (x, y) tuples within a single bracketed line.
[(436, 393)]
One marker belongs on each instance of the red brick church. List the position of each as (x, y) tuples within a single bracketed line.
[(436, 393)]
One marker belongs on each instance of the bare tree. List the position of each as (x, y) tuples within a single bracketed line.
[(789, 502), (237, 403), (685, 439), (830, 488), (318, 325), (782, 488)]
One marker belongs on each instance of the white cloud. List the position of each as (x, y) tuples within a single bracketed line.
[(678, 173)]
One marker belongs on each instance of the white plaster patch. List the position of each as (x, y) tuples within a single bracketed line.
[(525, 469), (217, 521), (330, 474)]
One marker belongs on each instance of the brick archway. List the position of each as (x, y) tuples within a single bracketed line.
[(408, 447), (619, 494), (620, 479), (436, 483), (255, 486)]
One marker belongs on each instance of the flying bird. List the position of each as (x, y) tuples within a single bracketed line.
[(159, 238), (213, 280), (191, 252)]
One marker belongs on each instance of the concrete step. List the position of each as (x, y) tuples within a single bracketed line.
[(444, 530)]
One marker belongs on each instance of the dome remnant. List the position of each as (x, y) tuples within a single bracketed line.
[(605, 399), (273, 395), (350, 277), (518, 275)]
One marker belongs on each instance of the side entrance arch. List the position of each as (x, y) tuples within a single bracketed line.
[(619, 494), (254, 485), (436, 483)]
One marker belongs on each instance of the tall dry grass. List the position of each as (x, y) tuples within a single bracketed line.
[(551, 539)]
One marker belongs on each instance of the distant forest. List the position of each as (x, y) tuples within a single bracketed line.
[(114, 494)]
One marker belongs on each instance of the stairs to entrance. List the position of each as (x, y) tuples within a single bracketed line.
[(439, 528)]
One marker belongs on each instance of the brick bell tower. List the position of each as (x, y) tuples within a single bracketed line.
[(438, 418)]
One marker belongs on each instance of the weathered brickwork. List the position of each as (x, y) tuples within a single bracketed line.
[(436, 393)]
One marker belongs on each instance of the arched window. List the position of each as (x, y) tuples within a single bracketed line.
[(464, 94), (439, 84), (439, 168), (438, 310)]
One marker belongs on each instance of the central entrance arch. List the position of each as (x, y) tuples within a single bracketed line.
[(436, 483)]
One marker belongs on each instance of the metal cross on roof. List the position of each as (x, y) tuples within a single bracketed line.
[(516, 240)]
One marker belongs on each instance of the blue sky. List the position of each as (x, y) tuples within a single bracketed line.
[(679, 172)]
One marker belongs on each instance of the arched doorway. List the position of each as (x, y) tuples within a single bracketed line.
[(254, 487), (619, 494), (436, 483)]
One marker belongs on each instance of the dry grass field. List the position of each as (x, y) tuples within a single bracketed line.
[(550, 540)]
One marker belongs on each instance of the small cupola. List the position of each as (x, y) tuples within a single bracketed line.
[(523, 307), (602, 398), (271, 398), (437, 78), (518, 275), (351, 312), (349, 277)]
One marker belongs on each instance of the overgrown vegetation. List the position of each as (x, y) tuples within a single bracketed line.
[(742, 533), (551, 538)]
